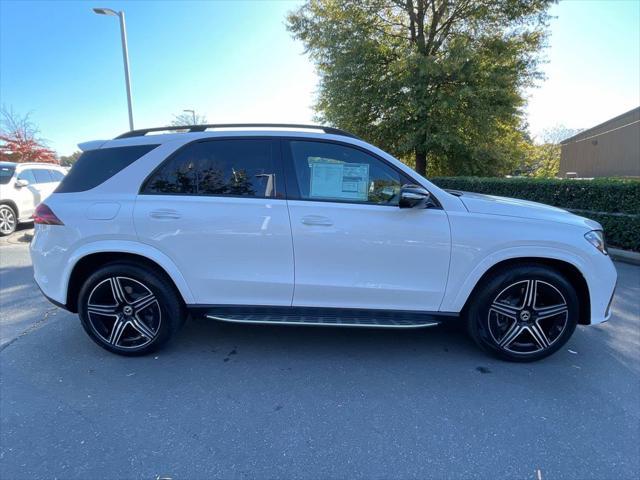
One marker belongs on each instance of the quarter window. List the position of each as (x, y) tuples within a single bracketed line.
[(95, 167), (56, 175), (241, 168), (332, 172)]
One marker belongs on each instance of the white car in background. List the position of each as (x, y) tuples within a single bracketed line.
[(22, 187)]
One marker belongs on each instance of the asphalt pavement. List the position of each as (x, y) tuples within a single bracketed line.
[(233, 402)]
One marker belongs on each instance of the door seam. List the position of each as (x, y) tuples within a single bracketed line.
[(293, 252)]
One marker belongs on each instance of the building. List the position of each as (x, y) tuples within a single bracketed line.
[(611, 149)]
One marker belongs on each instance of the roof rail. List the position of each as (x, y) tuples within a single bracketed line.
[(202, 128)]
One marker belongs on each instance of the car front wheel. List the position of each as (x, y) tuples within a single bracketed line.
[(8, 220), (524, 313), (129, 309)]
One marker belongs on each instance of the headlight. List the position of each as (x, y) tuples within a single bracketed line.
[(596, 238)]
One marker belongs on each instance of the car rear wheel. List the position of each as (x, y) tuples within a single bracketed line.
[(524, 313), (128, 309), (8, 220)]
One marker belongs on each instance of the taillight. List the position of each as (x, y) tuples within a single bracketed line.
[(45, 216)]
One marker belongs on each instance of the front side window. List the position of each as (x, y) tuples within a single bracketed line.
[(42, 175), (240, 168), (27, 175), (332, 172)]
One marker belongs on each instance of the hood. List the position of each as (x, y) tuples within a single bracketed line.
[(512, 207)]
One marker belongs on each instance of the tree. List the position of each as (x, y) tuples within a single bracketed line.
[(20, 139), (558, 133), (187, 119), (438, 80), (540, 160), (69, 160), (543, 160)]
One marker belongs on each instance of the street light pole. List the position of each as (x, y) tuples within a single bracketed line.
[(193, 115), (125, 54), (125, 58)]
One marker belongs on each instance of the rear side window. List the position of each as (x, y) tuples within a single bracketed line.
[(97, 166), (238, 168), (42, 175)]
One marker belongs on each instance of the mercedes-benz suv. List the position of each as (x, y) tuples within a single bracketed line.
[(305, 225)]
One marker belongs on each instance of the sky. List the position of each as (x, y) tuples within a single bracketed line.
[(234, 61)]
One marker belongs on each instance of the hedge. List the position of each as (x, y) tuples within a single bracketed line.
[(615, 203)]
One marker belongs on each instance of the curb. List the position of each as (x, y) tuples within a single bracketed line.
[(625, 256)]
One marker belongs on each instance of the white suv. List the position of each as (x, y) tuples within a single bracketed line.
[(299, 225), (22, 187)]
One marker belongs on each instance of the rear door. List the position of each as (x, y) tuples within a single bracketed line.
[(354, 247), (57, 176), (217, 208), (45, 184)]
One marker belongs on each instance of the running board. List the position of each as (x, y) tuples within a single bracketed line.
[(336, 317)]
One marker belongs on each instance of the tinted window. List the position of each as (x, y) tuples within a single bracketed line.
[(327, 171), (5, 174), (244, 168), (97, 166), (27, 175), (42, 176), (56, 175)]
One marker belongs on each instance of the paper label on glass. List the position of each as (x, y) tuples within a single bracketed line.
[(342, 181)]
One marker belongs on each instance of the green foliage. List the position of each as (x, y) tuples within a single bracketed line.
[(438, 80), (615, 203), (621, 232), (600, 195), (69, 160), (541, 161)]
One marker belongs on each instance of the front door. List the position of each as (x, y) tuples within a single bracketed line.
[(217, 208), (354, 247), (30, 195)]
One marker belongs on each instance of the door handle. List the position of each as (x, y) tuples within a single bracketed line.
[(165, 214), (317, 220)]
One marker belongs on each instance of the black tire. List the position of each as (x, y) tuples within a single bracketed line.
[(517, 313), (8, 220), (129, 309)]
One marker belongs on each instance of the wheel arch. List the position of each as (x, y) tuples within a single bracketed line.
[(570, 271), (13, 205), (88, 263)]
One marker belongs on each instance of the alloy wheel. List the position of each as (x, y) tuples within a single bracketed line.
[(527, 317), (124, 312), (7, 221)]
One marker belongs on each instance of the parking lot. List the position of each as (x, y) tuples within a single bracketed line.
[(231, 401)]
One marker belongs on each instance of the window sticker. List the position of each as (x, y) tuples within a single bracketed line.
[(343, 181)]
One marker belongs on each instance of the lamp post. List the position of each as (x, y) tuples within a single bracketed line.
[(125, 54), (193, 115)]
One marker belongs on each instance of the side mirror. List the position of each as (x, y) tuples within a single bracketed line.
[(22, 183), (414, 196)]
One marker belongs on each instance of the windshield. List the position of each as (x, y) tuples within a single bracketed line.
[(5, 174)]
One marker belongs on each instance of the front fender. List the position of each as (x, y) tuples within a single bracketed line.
[(461, 284)]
